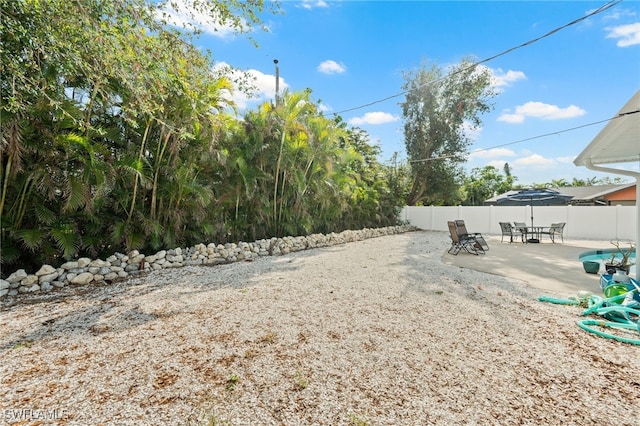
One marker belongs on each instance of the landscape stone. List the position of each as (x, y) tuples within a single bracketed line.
[(118, 265), (29, 280), (17, 276), (132, 267), (48, 278), (70, 265), (83, 278), (45, 270)]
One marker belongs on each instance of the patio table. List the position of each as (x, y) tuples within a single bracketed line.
[(533, 234)]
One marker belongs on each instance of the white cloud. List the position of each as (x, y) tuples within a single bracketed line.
[(542, 111), (617, 13), (565, 160), (263, 85), (498, 164), (374, 118), (493, 153), (331, 67), (499, 78), (470, 131), (180, 14), (310, 4), (627, 35), (511, 118), (324, 108), (537, 161)]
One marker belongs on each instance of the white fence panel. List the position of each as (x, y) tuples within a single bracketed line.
[(589, 222)]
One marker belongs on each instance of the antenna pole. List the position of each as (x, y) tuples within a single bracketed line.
[(275, 61)]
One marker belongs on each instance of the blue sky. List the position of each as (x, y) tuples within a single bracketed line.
[(352, 53)]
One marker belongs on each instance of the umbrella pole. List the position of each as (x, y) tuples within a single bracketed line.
[(532, 240), (532, 213)]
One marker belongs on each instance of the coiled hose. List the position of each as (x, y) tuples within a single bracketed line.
[(584, 324), (607, 307)]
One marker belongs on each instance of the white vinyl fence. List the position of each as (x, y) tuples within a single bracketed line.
[(582, 222)]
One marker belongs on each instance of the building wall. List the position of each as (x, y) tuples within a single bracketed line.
[(625, 197)]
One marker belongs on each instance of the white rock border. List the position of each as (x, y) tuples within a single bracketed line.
[(120, 266)]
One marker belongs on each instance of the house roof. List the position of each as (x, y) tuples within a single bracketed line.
[(617, 142), (579, 193)]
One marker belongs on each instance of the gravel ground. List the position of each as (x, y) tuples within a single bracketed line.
[(374, 332)]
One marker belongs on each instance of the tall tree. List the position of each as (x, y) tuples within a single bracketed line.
[(439, 110), (486, 182), (113, 110)]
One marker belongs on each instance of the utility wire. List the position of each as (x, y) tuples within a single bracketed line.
[(444, 157), (601, 9)]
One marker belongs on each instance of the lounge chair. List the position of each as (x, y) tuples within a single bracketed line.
[(555, 229), (511, 232), (459, 243), (461, 229)]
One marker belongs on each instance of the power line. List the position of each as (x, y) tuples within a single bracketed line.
[(444, 157), (601, 9)]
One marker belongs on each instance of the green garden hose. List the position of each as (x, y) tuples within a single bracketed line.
[(569, 301), (597, 302), (624, 310), (607, 307), (584, 324)]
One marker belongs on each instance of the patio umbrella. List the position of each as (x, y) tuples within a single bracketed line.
[(535, 197)]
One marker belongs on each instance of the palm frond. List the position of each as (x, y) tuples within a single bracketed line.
[(31, 239), (66, 239), (44, 215), (76, 197)]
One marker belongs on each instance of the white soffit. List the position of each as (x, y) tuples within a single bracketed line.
[(618, 141)]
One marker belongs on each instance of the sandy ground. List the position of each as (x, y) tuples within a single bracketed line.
[(376, 332)]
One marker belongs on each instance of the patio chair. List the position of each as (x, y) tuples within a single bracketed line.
[(462, 231), (555, 229), (521, 226), (465, 243), (510, 231)]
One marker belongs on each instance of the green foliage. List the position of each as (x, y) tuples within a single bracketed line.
[(115, 137), (484, 183), (438, 111), (559, 183)]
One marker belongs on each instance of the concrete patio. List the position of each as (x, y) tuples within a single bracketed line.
[(552, 268)]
